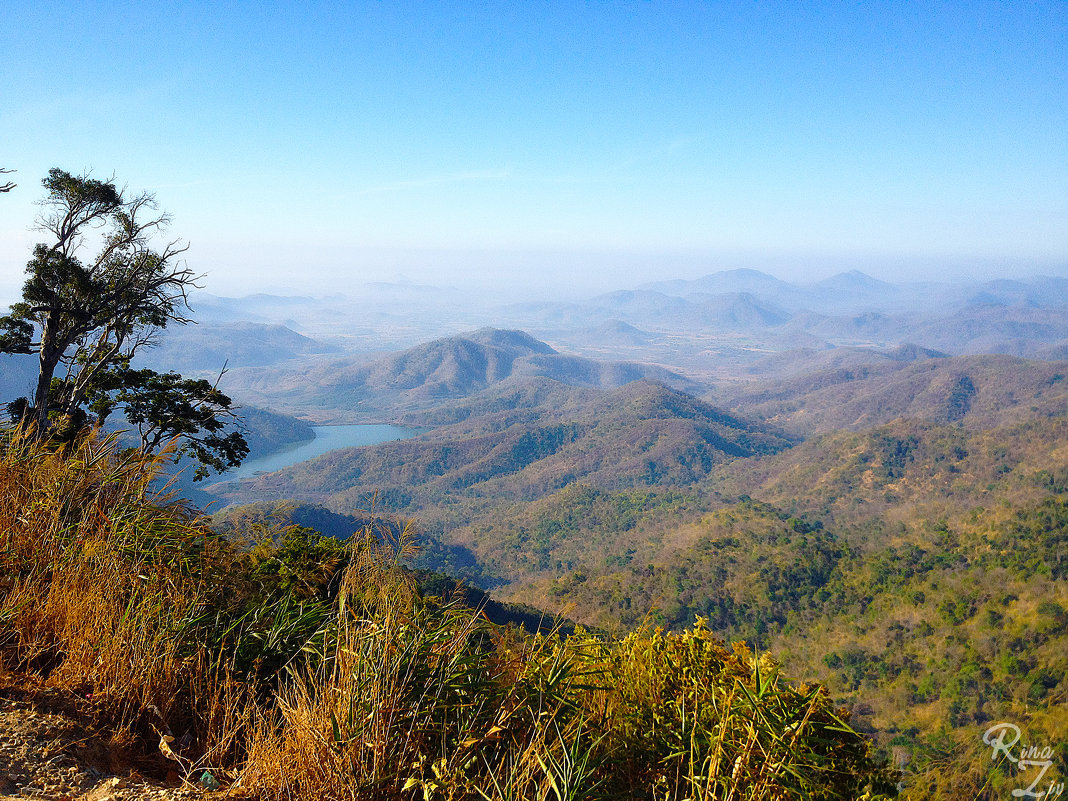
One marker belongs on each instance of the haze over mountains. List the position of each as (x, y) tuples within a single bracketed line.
[(847, 352), (722, 326)]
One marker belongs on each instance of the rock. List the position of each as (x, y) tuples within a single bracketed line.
[(105, 791)]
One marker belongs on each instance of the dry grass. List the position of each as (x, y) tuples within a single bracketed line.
[(109, 590), (103, 582)]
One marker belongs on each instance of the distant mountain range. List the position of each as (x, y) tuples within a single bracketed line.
[(710, 328), (208, 347), (853, 291), (721, 323)]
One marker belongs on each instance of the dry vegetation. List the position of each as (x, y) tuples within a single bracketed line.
[(303, 669)]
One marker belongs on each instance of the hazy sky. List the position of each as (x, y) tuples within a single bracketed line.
[(314, 146)]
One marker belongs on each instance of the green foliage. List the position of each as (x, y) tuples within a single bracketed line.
[(305, 564), (727, 723), (165, 405), (90, 317), (1034, 541), (960, 399), (752, 566)]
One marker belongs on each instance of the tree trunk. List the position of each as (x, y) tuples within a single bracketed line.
[(50, 356)]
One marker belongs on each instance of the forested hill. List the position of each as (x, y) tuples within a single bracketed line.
[(912, 556), (426, 375), (975, 391), (917, 569), (641, 434)]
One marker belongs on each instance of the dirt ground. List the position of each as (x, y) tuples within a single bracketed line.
[(49, 751)]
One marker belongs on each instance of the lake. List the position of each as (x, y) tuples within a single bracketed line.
[(327, 438)]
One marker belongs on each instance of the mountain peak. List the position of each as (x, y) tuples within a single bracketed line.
[(508, 339), (742, 279), (854, 281)]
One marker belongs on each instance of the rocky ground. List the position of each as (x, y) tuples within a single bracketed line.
[(49, 751)]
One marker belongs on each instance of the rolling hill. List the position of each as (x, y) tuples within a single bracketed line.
[(917, 569), (207, 347), (910, 552), (431, 374), (641, 434), (976, 391)]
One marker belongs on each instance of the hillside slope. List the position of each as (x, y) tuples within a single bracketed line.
[(976, 391), (431, 374), (918, 570), (640, 434)]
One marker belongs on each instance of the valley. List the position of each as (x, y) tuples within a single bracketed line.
[(869, 480)]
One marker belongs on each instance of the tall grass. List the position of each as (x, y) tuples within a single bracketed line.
[(102, 584), (343, 682)]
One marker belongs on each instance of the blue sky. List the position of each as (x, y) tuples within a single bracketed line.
[(315, 146)]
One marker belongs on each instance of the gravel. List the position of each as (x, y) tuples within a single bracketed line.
[(45, 753)]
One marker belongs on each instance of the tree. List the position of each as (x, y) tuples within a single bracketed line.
[(165, 405), (9, 185), (86, 319)]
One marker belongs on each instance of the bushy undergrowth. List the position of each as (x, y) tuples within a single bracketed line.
[(298, 668)]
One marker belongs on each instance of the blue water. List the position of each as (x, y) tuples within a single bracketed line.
[(327, 438)]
